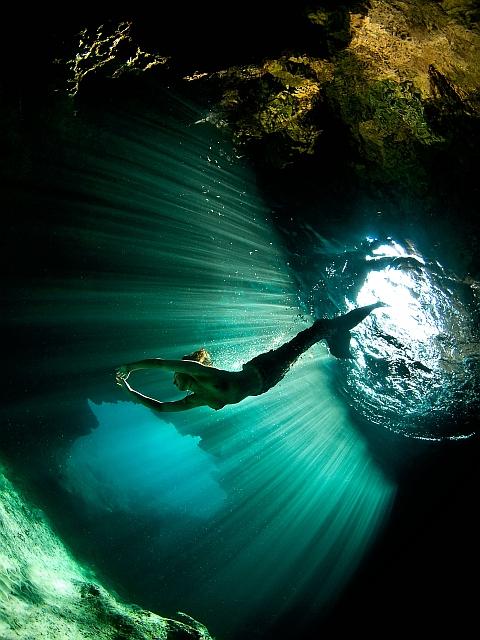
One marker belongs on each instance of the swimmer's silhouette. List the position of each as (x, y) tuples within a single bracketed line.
[(216, 388)]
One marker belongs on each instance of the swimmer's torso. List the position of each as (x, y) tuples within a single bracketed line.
[(221, 387)]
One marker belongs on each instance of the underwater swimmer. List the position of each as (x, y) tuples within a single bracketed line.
[(215, 388)]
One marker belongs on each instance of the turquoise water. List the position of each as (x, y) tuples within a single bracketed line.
[(162, 243)]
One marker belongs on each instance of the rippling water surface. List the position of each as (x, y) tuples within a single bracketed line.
[(415, 366)]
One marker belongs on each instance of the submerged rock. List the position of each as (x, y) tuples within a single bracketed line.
[(385, 87), (392, 74), (46, 594), (109, 53)]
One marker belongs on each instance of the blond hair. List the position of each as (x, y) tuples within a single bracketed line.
[(201, 355)]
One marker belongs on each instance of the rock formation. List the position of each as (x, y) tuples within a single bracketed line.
[(46, 594)]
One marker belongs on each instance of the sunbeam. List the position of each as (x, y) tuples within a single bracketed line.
[(167, 247)]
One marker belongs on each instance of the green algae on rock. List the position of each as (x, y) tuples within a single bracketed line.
[(109, 53), (382, 84), (375, 74), (274, 105)]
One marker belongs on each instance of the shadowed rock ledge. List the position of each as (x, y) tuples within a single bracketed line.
[(373, 98), (389, 84)]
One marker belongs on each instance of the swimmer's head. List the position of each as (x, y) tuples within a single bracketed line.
[(182, 380), (201, 356)]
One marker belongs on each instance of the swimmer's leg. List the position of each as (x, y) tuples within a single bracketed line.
[(275, 364), (336, 332)]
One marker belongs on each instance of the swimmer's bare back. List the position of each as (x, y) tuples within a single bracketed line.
[(209, 386)]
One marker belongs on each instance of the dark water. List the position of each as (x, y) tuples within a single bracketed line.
[(142, 233)]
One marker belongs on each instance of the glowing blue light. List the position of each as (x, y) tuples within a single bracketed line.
[(136, 462)]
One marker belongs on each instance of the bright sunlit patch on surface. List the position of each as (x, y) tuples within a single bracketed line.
[(412, 356), (391, 250), (407, 313)]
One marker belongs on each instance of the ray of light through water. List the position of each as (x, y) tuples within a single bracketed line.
[(170, 248)]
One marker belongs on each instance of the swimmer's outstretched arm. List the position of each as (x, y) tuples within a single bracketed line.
[(179, 366), (189, 402)]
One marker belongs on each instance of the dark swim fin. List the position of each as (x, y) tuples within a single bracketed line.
[(339, 344), (339, 341), (352, 318)]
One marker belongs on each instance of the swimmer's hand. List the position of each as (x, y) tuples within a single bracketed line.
[(121, 381), (122, 373), (135, 395)]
